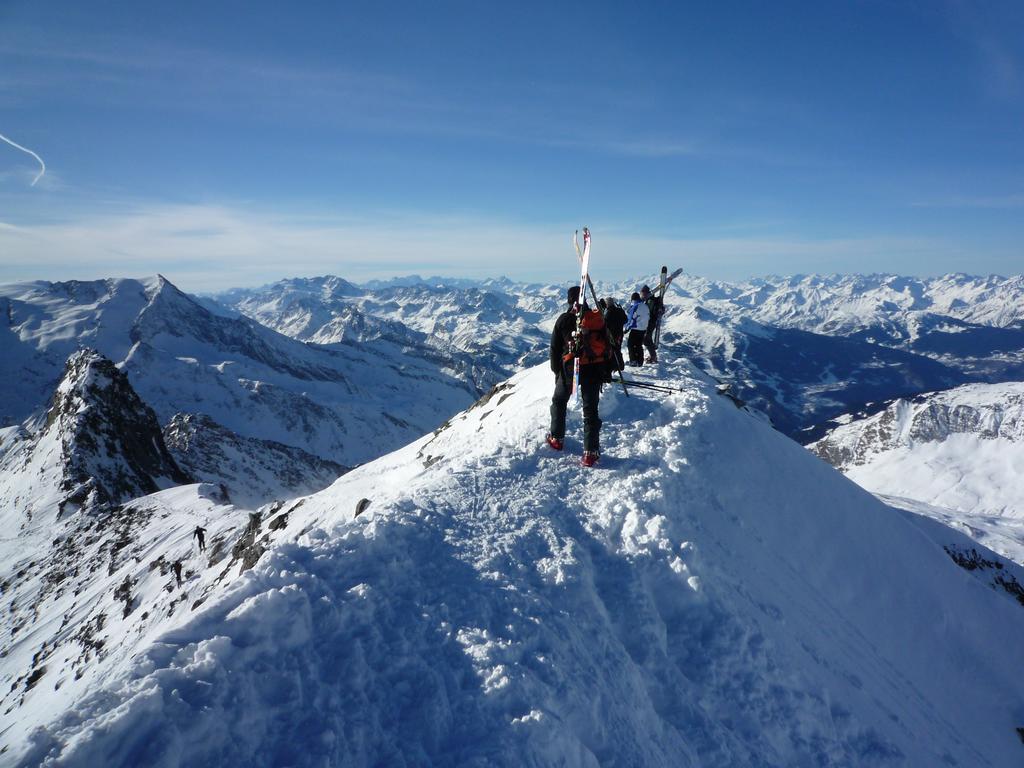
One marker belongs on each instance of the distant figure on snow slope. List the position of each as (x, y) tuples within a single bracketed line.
[(593, 351), (200, 533), (637, 319)]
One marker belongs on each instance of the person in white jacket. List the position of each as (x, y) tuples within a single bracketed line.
[(637, 317)]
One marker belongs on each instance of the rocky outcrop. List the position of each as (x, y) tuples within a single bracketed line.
[(253, 471), (988, 411), (112, 448)]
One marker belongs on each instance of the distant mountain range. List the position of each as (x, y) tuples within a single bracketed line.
[(803, 349)]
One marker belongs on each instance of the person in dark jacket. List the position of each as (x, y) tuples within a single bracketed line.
[(200, 533), (615, 320), (591, 377), (654, 312), (176, 567)]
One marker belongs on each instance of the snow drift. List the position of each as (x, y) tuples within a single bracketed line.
[(710, 595)]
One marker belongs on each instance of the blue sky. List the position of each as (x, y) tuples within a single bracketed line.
[(235, 143)]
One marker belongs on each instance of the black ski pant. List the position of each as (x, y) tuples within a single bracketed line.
[(649, 341), (590, 394), (636, 346), (617, 352)]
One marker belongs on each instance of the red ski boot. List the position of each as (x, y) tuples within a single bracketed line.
[(555, 442), (590, 458)]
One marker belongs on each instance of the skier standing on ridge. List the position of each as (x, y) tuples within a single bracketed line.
[(615, 320), (200, 533), (176, 567), (654, 311), (592, 374), (637, 318)]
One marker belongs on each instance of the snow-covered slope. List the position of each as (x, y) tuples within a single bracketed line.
[(710, 595), (87, 541), (84, 592), (961, 450), (346, 404)]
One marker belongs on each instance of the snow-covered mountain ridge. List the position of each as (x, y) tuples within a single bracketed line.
[(80, 511), (252, 471), (345, 404), (486, 330), (802, 349), (711, 594), (974, 325), (986, 411), (846, 304), (957, 456)]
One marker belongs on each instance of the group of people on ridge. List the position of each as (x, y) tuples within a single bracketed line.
[(595, 336)]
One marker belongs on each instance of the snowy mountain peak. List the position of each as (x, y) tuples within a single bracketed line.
[(111, 444)]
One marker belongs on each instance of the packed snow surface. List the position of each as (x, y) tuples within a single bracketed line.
[(710, 594)]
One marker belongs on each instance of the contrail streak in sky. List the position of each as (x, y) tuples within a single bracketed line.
[(42, 165)]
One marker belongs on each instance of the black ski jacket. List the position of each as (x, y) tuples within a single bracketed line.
[(654, 305), (561, 337), (615, 320)]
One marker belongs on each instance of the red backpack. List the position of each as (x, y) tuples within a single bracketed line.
[(593, 342)]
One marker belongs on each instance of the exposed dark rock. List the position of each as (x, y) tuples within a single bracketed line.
[(111, 443), (247, 549), (248, 470), (123, 594), (971, 560), (34, 677)]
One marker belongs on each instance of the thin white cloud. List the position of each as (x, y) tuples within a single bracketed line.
[(213, 247), (42, 165)]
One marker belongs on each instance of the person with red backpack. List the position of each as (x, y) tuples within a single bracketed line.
[(591, 346)]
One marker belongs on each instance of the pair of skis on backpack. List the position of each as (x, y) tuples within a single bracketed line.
[(583, 256)]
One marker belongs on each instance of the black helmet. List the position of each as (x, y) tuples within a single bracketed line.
[(635, 296), (645, 289), (573, 294)]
